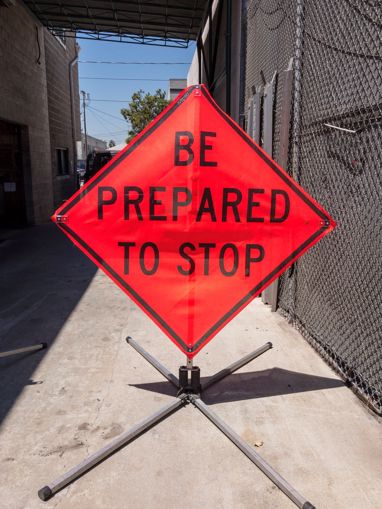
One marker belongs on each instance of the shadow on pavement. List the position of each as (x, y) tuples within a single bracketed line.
[(42, 278), (256, 384)]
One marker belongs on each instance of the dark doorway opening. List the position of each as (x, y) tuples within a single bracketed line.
[(12, 191)]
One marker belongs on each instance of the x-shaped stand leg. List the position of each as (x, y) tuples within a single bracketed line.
[(26, 349), (185, 396)]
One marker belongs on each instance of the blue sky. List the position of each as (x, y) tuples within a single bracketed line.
[(104, 119)]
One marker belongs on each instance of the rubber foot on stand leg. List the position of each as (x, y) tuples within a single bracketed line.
[(45, 493), (44, 345), (308, 505)]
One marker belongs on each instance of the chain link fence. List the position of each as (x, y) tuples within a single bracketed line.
[(333, 294)]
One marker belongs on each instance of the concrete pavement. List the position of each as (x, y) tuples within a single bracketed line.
[(63, 403)]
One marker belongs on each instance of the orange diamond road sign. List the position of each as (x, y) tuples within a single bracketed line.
[(193, 220)]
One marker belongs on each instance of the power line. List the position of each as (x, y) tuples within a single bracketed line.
[(121, 79), (110, 115), (112, 100), (111, 133), (102, 120), (131, 63), (108, 133)]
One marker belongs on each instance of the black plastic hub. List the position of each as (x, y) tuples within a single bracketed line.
[(189, 385)]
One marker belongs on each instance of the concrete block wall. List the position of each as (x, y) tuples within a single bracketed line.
[(23, 100), (64, 122)]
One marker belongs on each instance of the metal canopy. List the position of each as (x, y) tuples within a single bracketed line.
[(156, 22)]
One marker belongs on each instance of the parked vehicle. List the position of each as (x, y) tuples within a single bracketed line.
[(94, 162), (81, 167)]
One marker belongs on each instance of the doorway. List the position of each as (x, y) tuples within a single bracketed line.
[(12, 193)]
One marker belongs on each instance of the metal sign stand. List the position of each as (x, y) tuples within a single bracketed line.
[(34, 348), (189, 391)]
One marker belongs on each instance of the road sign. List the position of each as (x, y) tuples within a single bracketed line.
[(193, 220)]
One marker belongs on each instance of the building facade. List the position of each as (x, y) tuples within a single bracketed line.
[(175, 87), (219, 61), (39, 118), (92, 145)]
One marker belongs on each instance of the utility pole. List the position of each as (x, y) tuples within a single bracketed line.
[(84, 108)]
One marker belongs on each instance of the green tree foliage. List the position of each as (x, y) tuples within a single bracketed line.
[(142, 109)]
